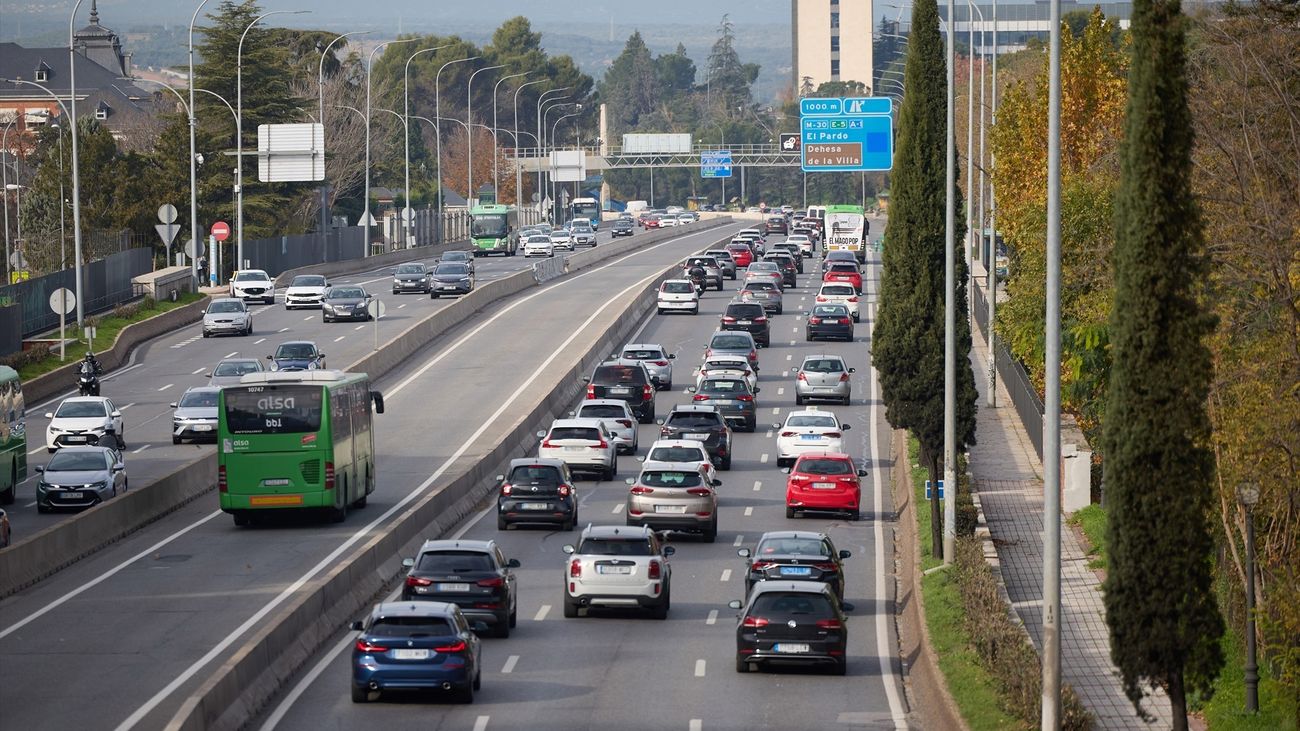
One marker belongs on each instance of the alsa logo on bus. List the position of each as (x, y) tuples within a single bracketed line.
[(266, 403)]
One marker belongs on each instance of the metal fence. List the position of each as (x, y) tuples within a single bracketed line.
[(1024, 396), (282, 253), (105, 283)]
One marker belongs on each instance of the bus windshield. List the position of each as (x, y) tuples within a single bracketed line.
[(292, 409), (488, 226)]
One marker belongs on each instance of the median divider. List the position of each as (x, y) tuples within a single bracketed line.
[(33, 558), (235, 692)]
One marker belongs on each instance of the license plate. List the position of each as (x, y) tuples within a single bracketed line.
[(534, 506), (448, 286), (452, 587), (823, 485), (796, 571), (744, 322), (809, 437), (74, 495), (697, 437), (613, 569), (670, 508), (275, 482), (724, 401), (791, 647), (74, 439), (574, 449), (410, 654), (202, 427), (620, 391)]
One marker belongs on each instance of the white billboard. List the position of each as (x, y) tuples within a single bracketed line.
[(638, 144), (290, 152), (568, 166)]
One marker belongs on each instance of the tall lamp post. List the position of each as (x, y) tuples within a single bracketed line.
[(406, 110), (193, 122), (549, 143), (577, 110), (496, 152), (950, 313), (215, 268), (541, 137), (437, 132), (365, 207), (519, 189), (992, 264), (469, 137), (1248, 494), (4, 190), (239, 134)]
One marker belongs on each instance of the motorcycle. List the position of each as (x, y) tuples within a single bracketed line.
[(88, 381), (696, 275)]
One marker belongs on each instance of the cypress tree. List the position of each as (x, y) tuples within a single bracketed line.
[(908, 338), (1164, 623)]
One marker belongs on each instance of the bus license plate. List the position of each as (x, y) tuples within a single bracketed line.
[(275, 483), (403, 653), (791, 647), (452, 587)]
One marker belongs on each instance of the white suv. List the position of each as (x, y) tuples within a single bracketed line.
[(840, 293), (253, 284), (619, 567), (680, 451), (678, 295), (585, 445), (618, 418), (808, 431)]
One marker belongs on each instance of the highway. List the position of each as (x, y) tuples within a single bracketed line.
[(617, 670), (141, 622)]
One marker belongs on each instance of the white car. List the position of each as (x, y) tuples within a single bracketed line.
[(80, 421), (561, 239), (678, 295), (676, 451), (618, 566), (253, 284), (840, 293), (808, 431), (538, 245), (582, 233), (727, 366), (585, 445), (306, 290), (804, 243), (618, 418), (667, 221)]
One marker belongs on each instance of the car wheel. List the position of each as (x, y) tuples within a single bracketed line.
[(205, 334), (501, 628), (433, 296), (42, 508), (514, 616), (478, 680), (741, 665), (711, 533), (847, 400), (855, 515), (798, 400), (789, 512), (659, 310), (502, 524), (841, 667), (570, 607), (780, 310), (360, 694), (857, 318), (466, 694), (725, 464), (176, 440)]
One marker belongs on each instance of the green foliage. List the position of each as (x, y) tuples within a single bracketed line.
[(631, 86), (1164, 622), (1092, 521)]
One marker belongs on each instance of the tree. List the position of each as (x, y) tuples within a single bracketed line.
[(1164, 622), (908, 340), (728, 80), (631, 85), (676, 72)]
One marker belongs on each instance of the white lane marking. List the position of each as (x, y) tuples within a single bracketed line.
[(617, 509), (803, 299), (103, 577), (339, 338), (762, 459), (780, 390), (882, 623), (164, 388), (195, 373), (776, 409), (785, 374), (789, 357), (124, 408), (699, 668), (344, 644), (358, 327), (792, 342), (30, 452), (696, 725), (758, 484), (769, 434), (401, 306), (194, 668), (232, 355), (140, 449), (285, 330), (713, 617), (481, 723), (542, 611), (794, 329), (259, 341), (509, 667), (309, 317), (749, 511), (740, 539), (726, 575), (28, 505)]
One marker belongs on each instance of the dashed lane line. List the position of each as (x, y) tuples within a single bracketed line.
[(749, 511), (339, 338), (509, 667), (758, 485), (164, 388), (699, 668), (542, 611), (740, 540), (713, 617), (726, 575), (139, 449)]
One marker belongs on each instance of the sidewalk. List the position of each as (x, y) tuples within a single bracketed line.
[(1008, 477)]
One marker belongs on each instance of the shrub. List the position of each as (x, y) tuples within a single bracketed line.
[(23, 358)]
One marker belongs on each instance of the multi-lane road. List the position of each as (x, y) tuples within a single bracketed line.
[(120, 638)]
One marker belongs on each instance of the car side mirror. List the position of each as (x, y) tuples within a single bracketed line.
[(847, 606), (207, 375), (408, 563), (172, 404), (378, 398), (630, 481), (845, 427), (660, 422), (270, 358), (669, 550), (119, 467), (512, 563), (716, 483), (500, 479), (586, 379), (862, 473), (358, 626), (757, 389), (116, 414), (49, 414), (320, 355), (672, 356), (690, 389), (785, 470), (640, 458), (541, 435), (567, 548), (844, 553), (853, 370), (743, 553), (573, 413), (734, 604), (776, 425), (40, 468)]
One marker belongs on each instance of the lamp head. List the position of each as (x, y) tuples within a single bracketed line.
[(1248, 494)]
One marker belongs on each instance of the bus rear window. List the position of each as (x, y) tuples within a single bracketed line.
[(273, 409)]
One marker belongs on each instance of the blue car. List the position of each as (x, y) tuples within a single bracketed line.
[(297, 355), (415, 645)]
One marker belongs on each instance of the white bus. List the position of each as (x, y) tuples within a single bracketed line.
[(588, 208), (846, 230)]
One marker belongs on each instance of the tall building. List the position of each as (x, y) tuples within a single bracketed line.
[(832, 42)]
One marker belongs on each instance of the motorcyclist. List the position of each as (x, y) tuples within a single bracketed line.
[(94, 363), (696, 273), (88, 379)]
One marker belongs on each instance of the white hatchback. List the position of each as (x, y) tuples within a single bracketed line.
[(618, 418), (726, 366), (306, 290), (80, 421), (538, 245), (675, 451), (840, 293), (585, 445), (808, 431), (678, 295)]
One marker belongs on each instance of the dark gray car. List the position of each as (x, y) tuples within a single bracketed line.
[(345, 302), (229, 371), (80, 477), (412, 277), (459, 257), (451, 278)]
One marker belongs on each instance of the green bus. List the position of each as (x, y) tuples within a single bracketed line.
[(494, 229), (846, 230), (13, 435), (296, 440)]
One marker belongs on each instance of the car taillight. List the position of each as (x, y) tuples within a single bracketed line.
[(546, 444), (788, 433), (726, 318), (845, 321), (492, 583), (329, 475), (458, 646), (829, 624), (754, 622), (744, 397), (367, 646), (844, 377), (700, 397), (661, 363), (625, 422), (575, 568), (664, 431), (656, 571), (803, 376), (591, 391), (826, 566), (417, 581), (506, 487), (832, 434), (796, 477), (698, 491), (853, 299), (222, 486), (640, 490), (814, 321), (753, 354), (762, 565), (759, 319), (564, 490), (647, 391)]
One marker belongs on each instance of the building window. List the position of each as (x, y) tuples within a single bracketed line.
[(42, 75), (835, 69), (835, 20), (835, 43)]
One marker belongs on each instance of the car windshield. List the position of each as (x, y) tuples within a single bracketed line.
[(824, 466), (411, 627), (618, 374), (679, 287), (453, 269), (782, 604), (535, 474), (586, 433), (745, 311), (677, 454), (343, 293), (455, 256), (226, 306), (812, 420), (616, 547), (308, 280), (80, 410), (236, 368), (539, 239), (831, 310), (670, 478), (296, 350), (763, 266), (251, 277), (643, 354), (823, 365), (199, 399), (793, 546), (64, 461), (454, 562), (411, 269), (602, 411), (720, 254), (841, 290), (723, 386), (759, 285), (693, 420), (730, 342)]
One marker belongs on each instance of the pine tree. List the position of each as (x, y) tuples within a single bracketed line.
[(908, 340), (1164, 623), (631, 85)]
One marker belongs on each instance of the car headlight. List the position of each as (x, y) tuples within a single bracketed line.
[(396, 280), (327, 306), (99, 486)]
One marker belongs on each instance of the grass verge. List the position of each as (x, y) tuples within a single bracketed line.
[(919, 475), (1226, 711), (1092, 521)]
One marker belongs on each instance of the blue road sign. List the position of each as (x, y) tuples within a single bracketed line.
[(847, 135), (927, 489), (715, 164)]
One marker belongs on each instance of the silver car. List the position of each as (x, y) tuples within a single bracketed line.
[(823, 377), (227, 316), (582, 234), (656, 360), (195, 415), (80, 477), (229, 371), (724, 259), (732, 342), (764, 292)]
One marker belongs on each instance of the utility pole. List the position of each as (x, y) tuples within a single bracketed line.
[(950, 315), (991, 398)]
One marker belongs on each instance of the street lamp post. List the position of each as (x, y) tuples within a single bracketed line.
[(216, 269), (519, 177), (496, 153), (551, 146), (541, 137), (76, 170), (193, 122), (1248, 494), (437, 132), (4, 189), (406, 110), (63, 201), (561, 118), (950, 313), (239, 135), (365, 207), (992, 272), (469, 136)]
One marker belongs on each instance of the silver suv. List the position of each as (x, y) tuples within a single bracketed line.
[(674, 496), (657, 361), (823, 377), (618, 566)]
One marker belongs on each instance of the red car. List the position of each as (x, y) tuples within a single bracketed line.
[(651, 221), (829, 481), (845, 272), (742, 254)]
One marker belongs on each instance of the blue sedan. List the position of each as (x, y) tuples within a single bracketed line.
[(415, 645)]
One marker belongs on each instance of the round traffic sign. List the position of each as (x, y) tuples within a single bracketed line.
[(377, 308), (408, 214), (167, 213), (220, 230), (63, 301), (193, 250)]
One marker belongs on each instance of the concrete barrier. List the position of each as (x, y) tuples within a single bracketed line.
[(368, 263), (236, 691)]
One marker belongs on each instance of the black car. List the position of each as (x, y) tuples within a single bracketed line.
[(626, 380), (792, 622), (750, 317), (412, 277), (622, 227), (451, 278), (296, 355), (789, 270), (776, 225), (704, 424), (459, 257), (793, 251), (537, 491), (828, 322), (345, 302), (473, 575), (795, 555)]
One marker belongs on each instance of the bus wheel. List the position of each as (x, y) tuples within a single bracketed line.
[(339, 514), (360, 503), (241, 519)]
